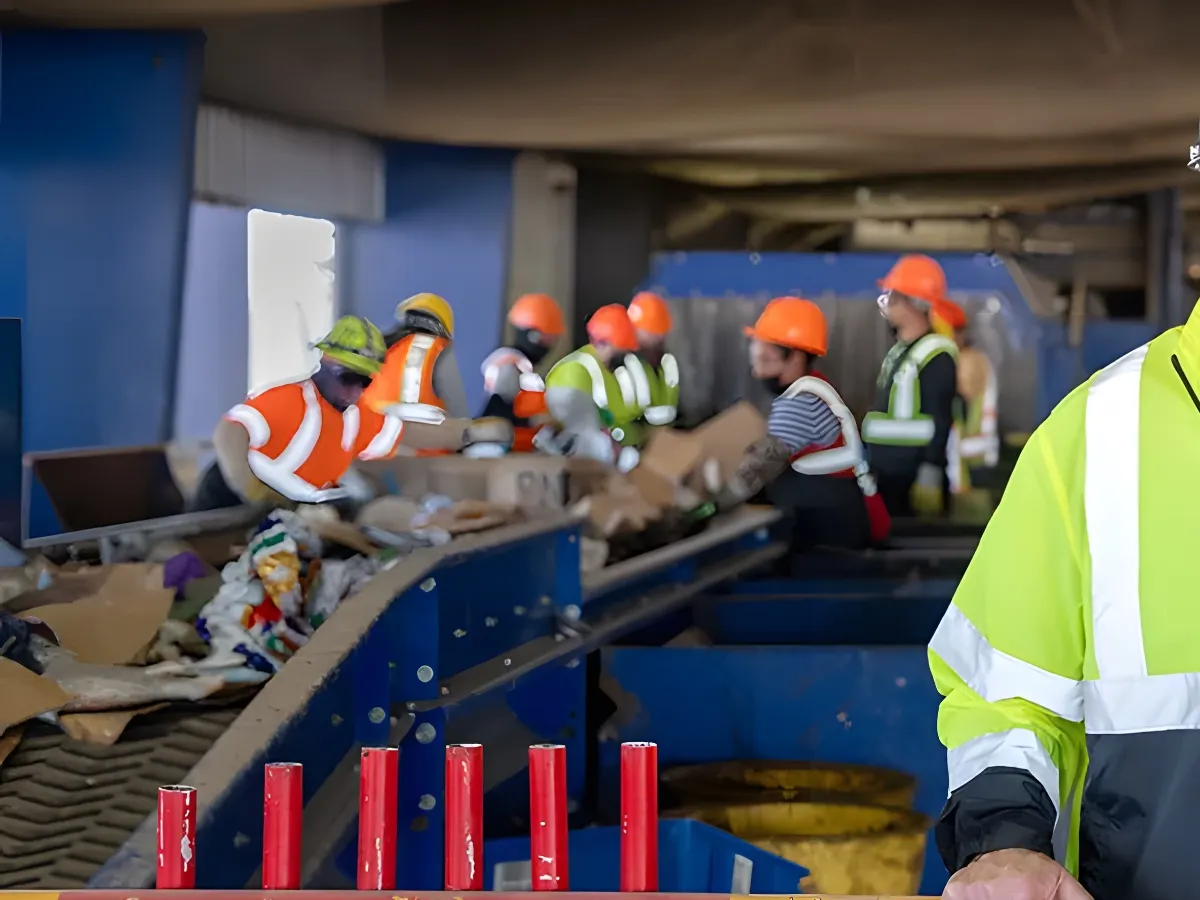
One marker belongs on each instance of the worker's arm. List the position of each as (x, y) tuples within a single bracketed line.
[(231, 441), (939, 385), (795, 423), (448, 384), (973, 369), (1008, 658)]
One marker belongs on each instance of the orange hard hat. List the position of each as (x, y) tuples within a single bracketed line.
[(918, 277), (951, 313), (538, 312), (610, 325), (792, 322), (649, 312)]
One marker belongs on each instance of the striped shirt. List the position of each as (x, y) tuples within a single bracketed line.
[(802, 422)]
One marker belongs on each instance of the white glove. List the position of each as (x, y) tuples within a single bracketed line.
[(326, 496), (594, 445), (627, 459), (356, 486), (929, 476)]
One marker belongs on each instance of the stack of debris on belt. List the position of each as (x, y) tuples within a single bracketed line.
[(89, 648), (669, 495)]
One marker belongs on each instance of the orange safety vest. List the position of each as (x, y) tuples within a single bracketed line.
[(297, 437), (404, 386)]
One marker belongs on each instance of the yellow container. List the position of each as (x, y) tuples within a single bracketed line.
[(849, 848), (767, 781)]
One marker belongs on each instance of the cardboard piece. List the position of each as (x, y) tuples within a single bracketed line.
[(25, 694), (339, 532), (9, 741), (102, 728), (467, 516), (726, 436), (117, 618)]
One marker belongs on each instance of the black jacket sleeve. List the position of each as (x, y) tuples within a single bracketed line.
[(999, 809), (939, 386)]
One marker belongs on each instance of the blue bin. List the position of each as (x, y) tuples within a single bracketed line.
[(693, 858)]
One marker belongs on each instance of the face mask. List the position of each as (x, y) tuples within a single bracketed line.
[(773, 384), (527, 343)]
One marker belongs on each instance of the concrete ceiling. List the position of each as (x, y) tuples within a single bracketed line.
[(732, 94)]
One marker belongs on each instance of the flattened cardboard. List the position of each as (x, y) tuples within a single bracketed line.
[(725, 437), (24, 694), (114, 622), (102, 728), (672, 454), (9, 741)]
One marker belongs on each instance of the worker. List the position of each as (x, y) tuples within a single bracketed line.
[(296, 441), (591, 395), (828, 491), (515, 390), (652, 321), (908, 428), (1069, 650), (420, 380), (975, 442)]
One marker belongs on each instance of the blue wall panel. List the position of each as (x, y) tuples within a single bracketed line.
[(96, 142), (449, 212)]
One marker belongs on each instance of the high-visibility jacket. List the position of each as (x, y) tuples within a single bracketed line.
[(980, 438), (662, 402), (617, 395), (1071, 649), (901, 421), (404, 386), (300, 444), (844, 458)]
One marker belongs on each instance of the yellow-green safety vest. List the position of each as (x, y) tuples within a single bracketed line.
[(617, 394), (1075, 616), (904, 423)]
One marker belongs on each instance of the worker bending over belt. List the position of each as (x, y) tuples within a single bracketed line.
[(652, 321), (591, 394), (1069, 657), (811, 461), (907, 430), (296, 441), (974, 446), (515, 391)]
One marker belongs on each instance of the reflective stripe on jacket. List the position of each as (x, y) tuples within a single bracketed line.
[(404, 386), (1071, 651), (903, 422)]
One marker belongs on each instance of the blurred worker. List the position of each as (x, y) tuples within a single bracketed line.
[(652, 321), (515, 390), (420, 380), (975, 441), (591, 394), (828, 491), (297, 441), (907, 430), (1068, 658)]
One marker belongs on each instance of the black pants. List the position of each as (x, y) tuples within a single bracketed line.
[(820, 511)]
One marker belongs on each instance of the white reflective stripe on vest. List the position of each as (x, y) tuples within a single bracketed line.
[(670, 371), (985, 445), (1016, 749), (253, 421), (385, 441), (414, 368), (281, 472), (641, 383), (904, 382), (835, 459), (625, 382), (908, 429), (505, 356), (1111, 492), (592, 365), (995, 675), (531, 381)]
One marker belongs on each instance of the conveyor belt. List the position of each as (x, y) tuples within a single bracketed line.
[(66, 806)]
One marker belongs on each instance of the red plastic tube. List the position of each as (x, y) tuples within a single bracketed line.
[(283, 825), (548, 857), (176, 838), (639, 817), (378, 782), (464, 817)]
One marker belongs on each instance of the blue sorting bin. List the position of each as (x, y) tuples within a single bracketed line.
[(693, 858)]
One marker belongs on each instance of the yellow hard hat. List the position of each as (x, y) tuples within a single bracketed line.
[(430, 304), (356, 343)]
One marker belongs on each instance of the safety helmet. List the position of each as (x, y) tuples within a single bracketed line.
[(947, 317), (794, 323), (538, 312), (610, 325), (355, 343), (430, 305), (917, 277), (649, 312)]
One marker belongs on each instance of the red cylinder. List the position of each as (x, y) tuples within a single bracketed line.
[(464, 817), (548, 858), (378, 783), (176, 838), (639, 817), (283, 825)]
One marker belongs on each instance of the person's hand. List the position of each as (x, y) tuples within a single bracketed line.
[(1014, 875)]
